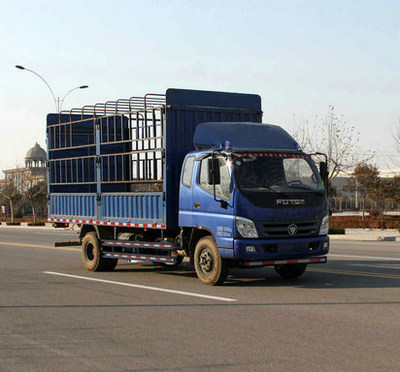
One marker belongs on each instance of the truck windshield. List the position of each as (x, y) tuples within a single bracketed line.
[(276, 172)]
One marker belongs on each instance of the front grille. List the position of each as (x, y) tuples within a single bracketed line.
[(281, 229)]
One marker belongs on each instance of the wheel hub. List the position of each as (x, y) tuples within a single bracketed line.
[(90, 252), (206, 261)]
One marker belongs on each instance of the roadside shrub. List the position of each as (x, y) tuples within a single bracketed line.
[(336, 231), (373, 213)]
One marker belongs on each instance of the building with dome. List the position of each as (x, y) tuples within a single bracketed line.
[(35, 157), (35, 169)]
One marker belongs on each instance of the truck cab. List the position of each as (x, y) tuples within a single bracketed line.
[(261, 199)]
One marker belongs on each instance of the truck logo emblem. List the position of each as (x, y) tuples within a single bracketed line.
[(290, 202), (292, 229)]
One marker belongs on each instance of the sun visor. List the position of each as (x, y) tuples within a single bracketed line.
[(242, 135)]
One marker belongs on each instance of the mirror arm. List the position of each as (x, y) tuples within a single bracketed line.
[(223, 203)]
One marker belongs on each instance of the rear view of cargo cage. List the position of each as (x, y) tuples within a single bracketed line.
[(189, 173)]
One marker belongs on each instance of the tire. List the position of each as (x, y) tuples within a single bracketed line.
[(291, 271), (110, 263), (210, 267), (91, 255)]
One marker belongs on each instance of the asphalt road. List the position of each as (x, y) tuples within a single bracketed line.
[(56, 316)]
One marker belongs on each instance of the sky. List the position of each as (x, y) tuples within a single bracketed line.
[(299, 56)]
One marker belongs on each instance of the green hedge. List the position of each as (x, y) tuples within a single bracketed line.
[(336, 231)]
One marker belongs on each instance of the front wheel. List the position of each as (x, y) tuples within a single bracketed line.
[(291, 271), (210, 267)]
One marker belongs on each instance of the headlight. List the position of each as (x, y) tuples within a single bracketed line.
[(324, 229), (246, 227)]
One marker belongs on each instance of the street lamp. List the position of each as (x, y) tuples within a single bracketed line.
[(57, 101)]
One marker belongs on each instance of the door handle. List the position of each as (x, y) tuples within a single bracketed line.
[(197, 205)]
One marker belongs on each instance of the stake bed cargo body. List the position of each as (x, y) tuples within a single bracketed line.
[(115, 169), (122, 163)]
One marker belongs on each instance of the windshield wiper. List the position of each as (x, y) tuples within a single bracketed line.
[(273, 190), (305, 187), (262, 188)]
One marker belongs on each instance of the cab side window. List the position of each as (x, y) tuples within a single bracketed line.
[(188, 171), (223, 190)]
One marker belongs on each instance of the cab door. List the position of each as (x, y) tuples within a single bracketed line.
[(185, 193), (213, 207)]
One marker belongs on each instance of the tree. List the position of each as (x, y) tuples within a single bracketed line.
[(396, 136), (393, 189), (332, 136), (365, 181), (11, 195), (332, 193), (35, 192)]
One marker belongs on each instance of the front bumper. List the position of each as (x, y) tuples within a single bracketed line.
[(280, 249)]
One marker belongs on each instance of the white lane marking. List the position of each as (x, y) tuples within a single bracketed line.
[(377, 266), (365, 257), (143, 287)]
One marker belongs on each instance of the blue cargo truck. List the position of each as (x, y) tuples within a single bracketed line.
[(189, 173)]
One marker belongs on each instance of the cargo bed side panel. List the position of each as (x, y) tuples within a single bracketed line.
[(132, 208)]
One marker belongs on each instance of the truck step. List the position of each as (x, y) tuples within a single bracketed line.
[(162, 252), (150, 245), (140, 257)]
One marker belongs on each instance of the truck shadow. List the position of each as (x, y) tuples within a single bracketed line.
[(333, 275)]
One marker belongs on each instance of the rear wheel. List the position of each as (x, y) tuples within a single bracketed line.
[(91, 255), (291, 271), (110, 264), (210, 267)]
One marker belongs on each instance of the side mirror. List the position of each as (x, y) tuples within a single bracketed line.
[(214, 175), (323, 171)]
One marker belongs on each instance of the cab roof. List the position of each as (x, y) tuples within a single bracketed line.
[(243, 136)]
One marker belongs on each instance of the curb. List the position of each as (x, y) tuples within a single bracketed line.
[(25, 224), (365, 238)]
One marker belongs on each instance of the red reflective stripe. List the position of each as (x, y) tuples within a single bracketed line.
[(276, 155), (153, 258), (107, 223), (317, 260)]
